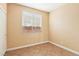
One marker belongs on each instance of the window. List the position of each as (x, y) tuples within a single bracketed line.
[(31, 22)]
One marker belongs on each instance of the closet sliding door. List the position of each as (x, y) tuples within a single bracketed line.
[(2, 32)]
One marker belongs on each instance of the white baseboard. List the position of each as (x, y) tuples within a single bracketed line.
[(26, 46), (68, 49)]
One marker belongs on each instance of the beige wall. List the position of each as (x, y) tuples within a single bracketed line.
[(64, 26), (63, 29), (16, 36)]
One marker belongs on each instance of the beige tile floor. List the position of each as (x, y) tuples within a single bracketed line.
[(46, 49)]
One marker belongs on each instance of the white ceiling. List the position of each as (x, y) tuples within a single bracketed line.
[(48, 7)]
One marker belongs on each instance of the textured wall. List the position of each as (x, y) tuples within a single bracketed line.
[(16, 36), (64, 26)]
